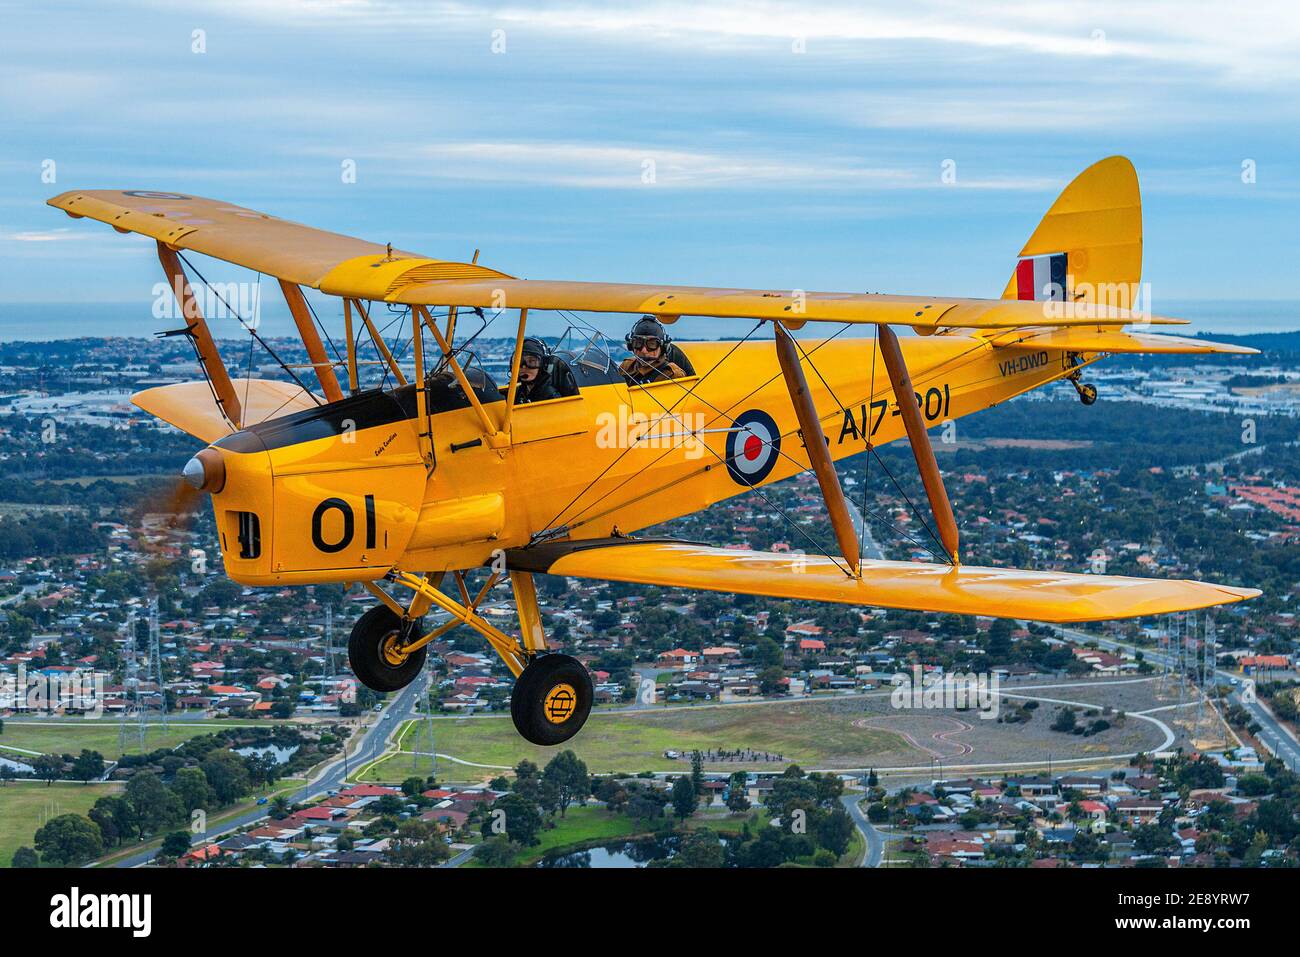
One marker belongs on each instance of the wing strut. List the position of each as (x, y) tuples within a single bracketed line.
[(197, 327), (919, 439), (814, 439), (320, 362)]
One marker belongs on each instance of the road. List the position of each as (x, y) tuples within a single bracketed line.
[(1271, 731), (875, 840), (374, 741), (870, 550)]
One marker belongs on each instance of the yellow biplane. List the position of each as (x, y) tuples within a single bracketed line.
[(427, 478)]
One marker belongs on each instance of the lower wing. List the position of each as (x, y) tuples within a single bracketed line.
[(192, 407), (961, 590)]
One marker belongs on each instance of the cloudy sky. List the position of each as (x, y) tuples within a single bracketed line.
[(793, 146)]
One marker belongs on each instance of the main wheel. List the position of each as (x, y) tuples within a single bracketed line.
[(373, 650), (1087, 393), (551, 699)]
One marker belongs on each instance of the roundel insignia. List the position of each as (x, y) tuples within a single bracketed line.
[(148, 194), (753, 445)]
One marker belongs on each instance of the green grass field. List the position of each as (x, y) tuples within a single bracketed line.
[(809, 734), (25, 806), (70, 736)]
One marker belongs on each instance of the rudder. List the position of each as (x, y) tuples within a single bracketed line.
[(1091, 237)]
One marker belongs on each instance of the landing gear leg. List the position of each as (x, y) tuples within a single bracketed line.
[(553, 693), (552, 697), (1086, 390)]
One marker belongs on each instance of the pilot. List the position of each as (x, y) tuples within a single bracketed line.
[(651, 360), (534, 374)]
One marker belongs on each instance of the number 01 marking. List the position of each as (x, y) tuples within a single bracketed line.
[(349, 524)]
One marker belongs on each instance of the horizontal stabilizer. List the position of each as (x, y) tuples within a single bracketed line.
[(961, 590), (192, 408), (1114, 340)]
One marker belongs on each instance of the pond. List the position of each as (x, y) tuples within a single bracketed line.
[(620, 854), (17, 766), (281, 755)]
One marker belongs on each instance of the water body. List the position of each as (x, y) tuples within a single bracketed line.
[(16, 765), (625, 854), (282, 755), (628, 854)]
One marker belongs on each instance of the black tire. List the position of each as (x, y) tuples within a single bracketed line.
[(378, 626), (1087, 393), (551, 699)]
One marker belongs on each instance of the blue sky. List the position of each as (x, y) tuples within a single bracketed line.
[(818, 169)]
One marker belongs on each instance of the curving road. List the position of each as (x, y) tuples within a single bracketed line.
[(1272, 732), (875, 840), (373, 743)]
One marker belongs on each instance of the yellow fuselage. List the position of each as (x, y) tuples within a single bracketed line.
[(342, 492)]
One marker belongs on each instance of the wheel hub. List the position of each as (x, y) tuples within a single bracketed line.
[(390, 649), (560, 703)]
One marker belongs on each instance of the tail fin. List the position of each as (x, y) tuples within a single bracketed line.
[(1088, 248)]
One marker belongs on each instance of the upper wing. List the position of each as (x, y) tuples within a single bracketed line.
[(792, 307), (962, 590), (343, 266), (277, 247)]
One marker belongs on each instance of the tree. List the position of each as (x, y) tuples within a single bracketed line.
[(498, 851), (834, 830), (417, 844), (227, 775), (999, 641), (191, 787), (737, 799), (48, 767), (175, 844), (1064, 720), (89, 764), (645, 805), (413, 786), (768, 653), (152, 804), (568, 774), (69, 839), (25, 857), (685, 800), (520, 816), (115, 818), (1152, 839), (280, 807), (700, 849), (527, 779), (697, 772), (1276, 818), (770, 681)]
